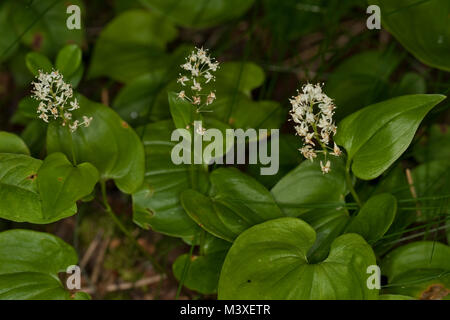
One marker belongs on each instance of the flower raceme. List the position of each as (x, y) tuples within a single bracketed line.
[(56, 100), (312, 112), (198, 69)]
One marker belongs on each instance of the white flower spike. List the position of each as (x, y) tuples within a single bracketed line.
[(312, 112), (199, 69), (56, 100)]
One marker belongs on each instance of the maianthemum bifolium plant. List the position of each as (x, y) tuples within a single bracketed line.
[(362, 186)]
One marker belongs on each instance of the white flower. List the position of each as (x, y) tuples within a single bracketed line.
[(308, 152), (200, 68), (182, 95), (325, 168), (87, 121), (211, 97), (200, 130), (336, 151), (208, 77), (56, 99), (182, 80), (197, 100), (312, 111), (196, 86)]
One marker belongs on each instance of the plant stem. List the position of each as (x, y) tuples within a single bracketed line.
[(186, 267), (74, 159), (350, 184), (119, 224)]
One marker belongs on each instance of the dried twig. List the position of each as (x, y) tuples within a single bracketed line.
[(412, 189), (91, 249), (99, 260)]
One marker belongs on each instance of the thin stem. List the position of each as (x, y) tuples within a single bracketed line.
[(119, 224), (350, 184), (186, 267), (74, 159)]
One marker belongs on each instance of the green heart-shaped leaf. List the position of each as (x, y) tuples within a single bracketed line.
[(236, 203), (42, 192), (30, 265), (376, 136), (109, 144), (60, 184), (268, 261), (375, 217), (421, 27)]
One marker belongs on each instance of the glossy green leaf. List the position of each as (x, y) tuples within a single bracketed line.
[(306, 187), (200, 13), (203, 271), (10, 143), (109, 144), (41, 192), (69, 60), (268, 262), (30, 265), (156, 204), (421, 27), (236, 203), (375, 217), (60, 184), (131, 45), (38, 62), (361, 80), (376, 136), (416, 268)]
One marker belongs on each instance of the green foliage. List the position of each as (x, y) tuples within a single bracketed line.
[(376, 136), (235, 203), (269, 261), (109, 144), (200, 14), (374, 218), (306, 186), (156, 204), (413, 269), (42, 191), (30, 265), (302, 233), (11, 143), (204, 270), (428, 38), (131, 45)]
